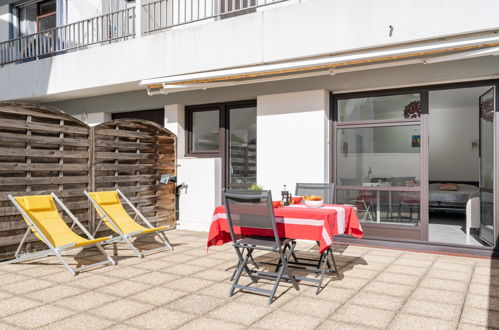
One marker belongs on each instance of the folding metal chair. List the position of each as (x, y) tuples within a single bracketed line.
[(44, 220), (325, 190), (253, 210), (116, 218)]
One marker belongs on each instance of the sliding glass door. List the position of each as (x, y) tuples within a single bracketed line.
[(378, 162), (486, 155)]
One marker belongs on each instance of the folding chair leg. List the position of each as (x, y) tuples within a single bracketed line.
[(284, 269), (64, 263), (165, 240), (101, 249), (242, 266)]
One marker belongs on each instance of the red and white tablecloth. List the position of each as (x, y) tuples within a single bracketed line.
[(296, 222)]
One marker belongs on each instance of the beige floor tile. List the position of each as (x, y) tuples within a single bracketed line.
[(482, 302), (282, 296), (392, 289), (121, 310), (204, 323), (38, 317), (467, 326), (329, 293), (436, 310), (449, 274), (53, 293), (485, 279), (188, 284), (361, 273), (237, 312), (411, 262), (336, 325), (348, 283), (454, 265), (407, 321), (396, 278), (376, 300), (16, 305), (155, 278), (451, 285), (310, 306), (125, 272), (123, 288), (481, 317), (158, 295), (378, 259), (484, 289), (372, 317), (92, 281), (285, 320), (9, 278), (154, 264), (409, 270), (80, 322), (44, 270), (5, 295), (26, 286), (85, 301), (214, 275), (160, 318), (219, 290), (179, 257), (196, 304), (185, 270), (205, 262), (6, 326), (439, 296)]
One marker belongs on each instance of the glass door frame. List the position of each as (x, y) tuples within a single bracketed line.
[(378, 229), (396, 232)]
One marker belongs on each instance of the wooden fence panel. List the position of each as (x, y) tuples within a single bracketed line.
[(43, 150), (132, 155)]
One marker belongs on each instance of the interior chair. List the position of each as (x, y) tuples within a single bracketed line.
[(248, 211), (116, 218), (44, 220), (472, 212), (325, 190), (363, 201)]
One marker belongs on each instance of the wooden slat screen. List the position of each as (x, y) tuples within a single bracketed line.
[(43, 150)]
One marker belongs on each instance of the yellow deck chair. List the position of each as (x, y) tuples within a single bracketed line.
[(114, 216), (44, 220)]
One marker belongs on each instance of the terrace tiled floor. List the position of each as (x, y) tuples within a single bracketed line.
[(187, 289)]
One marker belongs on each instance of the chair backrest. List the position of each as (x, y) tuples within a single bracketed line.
[(43, 212), (249, 209), (325, 190), (110, 203)]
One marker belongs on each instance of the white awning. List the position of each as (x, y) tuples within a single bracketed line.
[(428, 52)]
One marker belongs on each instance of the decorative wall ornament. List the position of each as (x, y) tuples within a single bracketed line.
[(412, 110)]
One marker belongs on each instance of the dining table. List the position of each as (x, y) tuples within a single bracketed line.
[(296, 221)]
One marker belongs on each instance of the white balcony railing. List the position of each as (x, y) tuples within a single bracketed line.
[(163, 14), (101, 29), (120, 25)]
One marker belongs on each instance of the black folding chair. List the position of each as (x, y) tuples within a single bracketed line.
[(253, 210), (325, 190)]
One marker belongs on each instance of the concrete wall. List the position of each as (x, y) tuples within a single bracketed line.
[(319, 27), (293, 139), (83, 9)]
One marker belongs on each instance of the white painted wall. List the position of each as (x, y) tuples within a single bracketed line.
[(319, 27), (175, 123), (293, 139), (4, 23), (82, 9), (203, 177), (93, 118), (451, 133)]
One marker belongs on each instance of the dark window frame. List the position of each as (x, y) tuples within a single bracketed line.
[(223, 109), (223, 136)]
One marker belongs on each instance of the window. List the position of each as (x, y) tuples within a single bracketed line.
[(228, 131), (34, 17)]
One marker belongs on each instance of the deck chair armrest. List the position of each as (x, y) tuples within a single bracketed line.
[(65, 247)]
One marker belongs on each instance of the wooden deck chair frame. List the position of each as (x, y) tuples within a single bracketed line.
[(52, 250), (122, 237)]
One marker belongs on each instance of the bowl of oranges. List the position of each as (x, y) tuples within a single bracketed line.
[(313, 201)]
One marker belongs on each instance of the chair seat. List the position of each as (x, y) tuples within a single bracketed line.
[(262, 241)]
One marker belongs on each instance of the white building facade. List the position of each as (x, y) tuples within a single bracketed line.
[(385, 98)]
